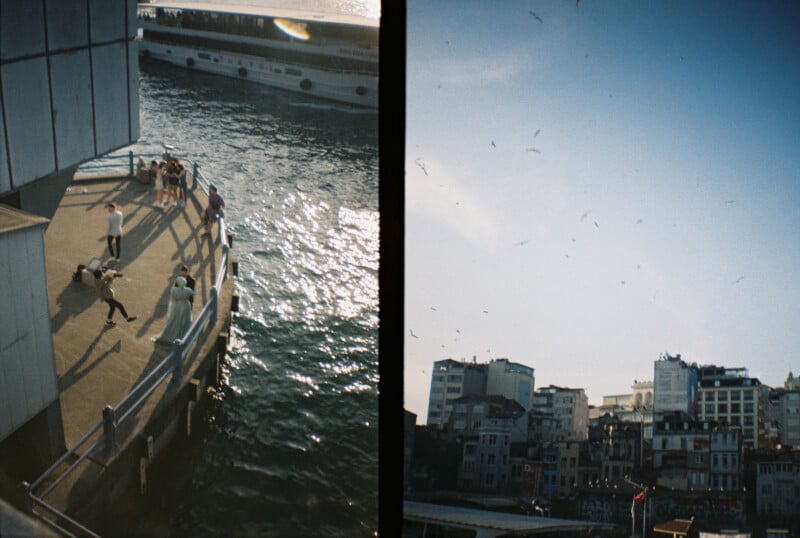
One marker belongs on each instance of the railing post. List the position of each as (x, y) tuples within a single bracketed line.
[(177, 371), (214, 304), (110, 428), (25, 487), (130, 162), (194, 176)]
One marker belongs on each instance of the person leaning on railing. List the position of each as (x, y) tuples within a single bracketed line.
[(214, 209)]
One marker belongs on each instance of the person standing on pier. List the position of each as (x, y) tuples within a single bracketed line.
[(114, 232), (215, 206), (190, 283), (102, 283), (179, 313)]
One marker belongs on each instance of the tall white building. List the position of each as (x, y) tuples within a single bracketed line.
[(674, 386)]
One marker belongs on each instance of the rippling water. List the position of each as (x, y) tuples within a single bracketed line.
[(289, 445)]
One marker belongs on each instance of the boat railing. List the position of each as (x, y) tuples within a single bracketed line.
[(115, 418)]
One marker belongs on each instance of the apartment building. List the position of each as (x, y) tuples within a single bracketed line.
[(452, 379), (568, 407), (674, 386), (730, 396)]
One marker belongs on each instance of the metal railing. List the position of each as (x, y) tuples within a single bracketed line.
[(172, 366)]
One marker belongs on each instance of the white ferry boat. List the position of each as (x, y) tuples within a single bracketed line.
[(322, 55)]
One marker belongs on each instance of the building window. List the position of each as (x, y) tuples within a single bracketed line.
[(453, 390), (748, 396), (438, 378), (721, 408), (735, 408), (492, 439), (490, 459), (709, 409), (736, 395)]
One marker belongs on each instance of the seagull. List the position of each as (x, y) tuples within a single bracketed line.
[(639, 221), (537, 17), (412, 333), (485, 311), (493, 144), (585, 214), (533, 149), (433, 308), (521, 243), (537, 133), (738, 280), (421, 164), (596, 225)]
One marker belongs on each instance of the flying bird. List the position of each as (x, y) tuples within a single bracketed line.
[(493, 145), (412, 333), (596, 225), (533, 149), (433, 308), (421, 165), (585, 214), (639, 221), (537, 17), (485, 311), (521, 243), (537, 133), (738, 280)]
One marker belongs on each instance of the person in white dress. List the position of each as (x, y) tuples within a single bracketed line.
[(179, 313)]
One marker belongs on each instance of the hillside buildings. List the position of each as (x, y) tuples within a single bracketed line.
[(707, 441)]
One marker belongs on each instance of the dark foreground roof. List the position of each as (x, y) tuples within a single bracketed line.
[(501, 522)]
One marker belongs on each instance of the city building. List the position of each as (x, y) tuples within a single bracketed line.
[(681, 451), (621, 449), (512, 380), (674, 386), (470, 412), (784, 412), (451, 380), (726, 458), (778, 484), (570, 409), (543, 428), (486, 460), (729, 395)]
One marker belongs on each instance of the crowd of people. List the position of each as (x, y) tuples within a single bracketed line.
[(169, 175)]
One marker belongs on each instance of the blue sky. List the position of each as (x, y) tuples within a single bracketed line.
[(614, 182)]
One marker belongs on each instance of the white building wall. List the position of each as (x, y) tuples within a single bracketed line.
[(28, 380)]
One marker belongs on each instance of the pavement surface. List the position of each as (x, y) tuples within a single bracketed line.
[(97, 365)]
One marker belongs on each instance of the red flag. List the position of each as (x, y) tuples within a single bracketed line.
[(639, 497)]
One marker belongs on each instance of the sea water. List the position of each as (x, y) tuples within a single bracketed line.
[(289, 444)]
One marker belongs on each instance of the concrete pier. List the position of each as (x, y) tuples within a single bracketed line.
[(98, 365)]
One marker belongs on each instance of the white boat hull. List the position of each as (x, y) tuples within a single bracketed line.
[(353, 88)]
